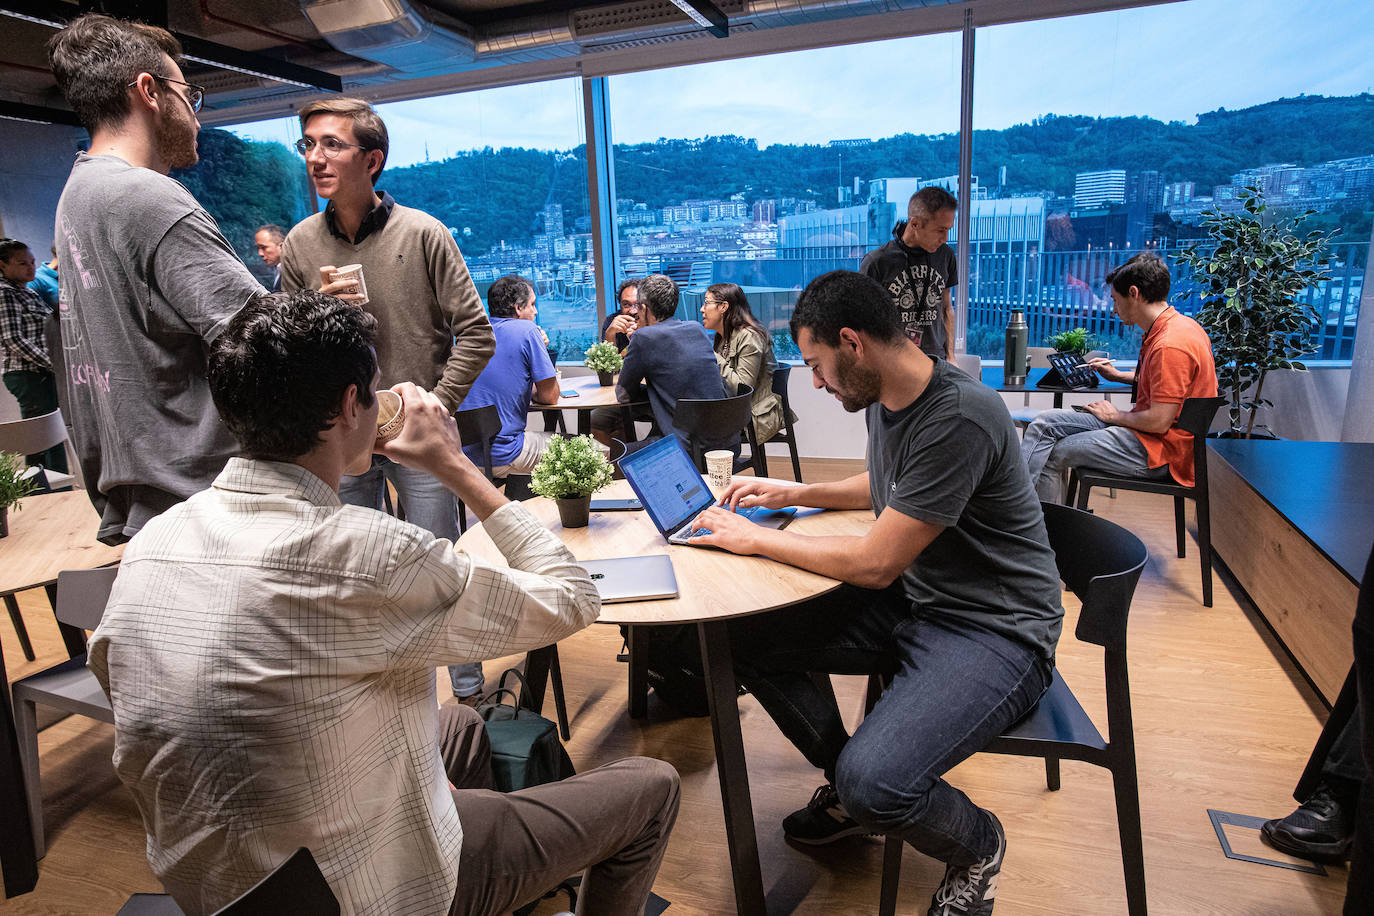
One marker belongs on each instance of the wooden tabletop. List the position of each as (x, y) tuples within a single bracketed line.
[(590, 395), (50, 533), (712, 584)]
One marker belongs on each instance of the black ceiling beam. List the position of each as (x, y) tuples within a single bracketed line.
[(55, 15), (19, 111)]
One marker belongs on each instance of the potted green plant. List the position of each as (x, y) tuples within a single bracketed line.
[(14, 486), (570, 471), (604, 360), (1251, 286), (1075, 340)]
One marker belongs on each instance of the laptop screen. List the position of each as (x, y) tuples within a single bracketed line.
[(667, 483)]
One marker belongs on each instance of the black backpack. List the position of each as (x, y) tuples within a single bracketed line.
[(525, 750)]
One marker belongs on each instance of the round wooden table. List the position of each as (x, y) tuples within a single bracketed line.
[(591, 394), (714, 586)]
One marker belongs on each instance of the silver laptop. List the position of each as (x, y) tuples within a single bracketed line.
[(633, 578), (674, 493)]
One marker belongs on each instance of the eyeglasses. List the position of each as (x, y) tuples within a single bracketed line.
[(331, 146), (195, 95), (714, 303)]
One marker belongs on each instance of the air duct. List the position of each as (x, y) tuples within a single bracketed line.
[(391, 32)]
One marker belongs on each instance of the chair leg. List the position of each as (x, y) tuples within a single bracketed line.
[(796, 459), (1180, 527), (892, 876), (1052, 773), (12, 605), (559, 703), (26, 732), (1128, 827), (1204, 543), (1084, 491), (639, 671), (462, 517), (1071, 492)]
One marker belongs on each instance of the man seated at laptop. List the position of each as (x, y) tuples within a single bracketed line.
[(667, 359), (269, 655), (953, 591), (519, 370), (1175, 364)]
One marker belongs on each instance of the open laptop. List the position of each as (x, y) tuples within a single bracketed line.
[(674, 492), (633, 578)]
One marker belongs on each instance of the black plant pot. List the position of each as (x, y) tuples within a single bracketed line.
[(574, 511), (607, 379)]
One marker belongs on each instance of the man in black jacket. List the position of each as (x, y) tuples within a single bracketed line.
[(918, 269)]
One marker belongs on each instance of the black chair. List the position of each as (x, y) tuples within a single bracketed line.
[(1194, 417), (294, 888), (479, 426), (1100, 562), (708, 420), (788, 433)]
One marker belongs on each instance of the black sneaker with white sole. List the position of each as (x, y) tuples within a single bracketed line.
[(969, 890), (822, 821)]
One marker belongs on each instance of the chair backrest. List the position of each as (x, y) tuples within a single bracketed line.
[(294, 888), (82, 595), (970, 363), (34, 434), (478, 426), (1101, 563), (1039, 357), (1195, 416), (780, 376), (715, 420)]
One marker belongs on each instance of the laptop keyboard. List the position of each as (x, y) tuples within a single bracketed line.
[(744, 511)]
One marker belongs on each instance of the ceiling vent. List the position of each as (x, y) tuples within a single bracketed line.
[(391, 32)]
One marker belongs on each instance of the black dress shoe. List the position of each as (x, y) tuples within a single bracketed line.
[(1320, 830)]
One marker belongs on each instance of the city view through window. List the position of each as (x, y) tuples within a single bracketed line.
[(1089, 145)]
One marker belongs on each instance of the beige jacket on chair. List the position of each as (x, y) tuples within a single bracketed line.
[(748, 360)]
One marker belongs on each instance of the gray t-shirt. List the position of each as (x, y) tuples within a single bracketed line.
[(146, 283), (951, 458)]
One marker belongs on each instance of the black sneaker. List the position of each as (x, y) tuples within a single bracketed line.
[(822, 821), (1320, 830), (969, 890)]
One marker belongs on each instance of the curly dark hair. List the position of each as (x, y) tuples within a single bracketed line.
[(845, 299), (279, 370), (507, 294)]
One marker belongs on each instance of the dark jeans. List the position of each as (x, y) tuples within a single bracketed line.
[(36, 393), (955, 687)]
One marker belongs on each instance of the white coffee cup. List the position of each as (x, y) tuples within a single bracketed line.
[(352, 272), (391, 414), (720, 464)]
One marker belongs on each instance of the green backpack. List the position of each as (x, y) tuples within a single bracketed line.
[(525, 750)]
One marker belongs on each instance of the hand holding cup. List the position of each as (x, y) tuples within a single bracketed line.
[(346, 286)]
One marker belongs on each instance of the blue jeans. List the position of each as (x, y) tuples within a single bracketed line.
[(428, 504), (955, 687), (1057, 440)]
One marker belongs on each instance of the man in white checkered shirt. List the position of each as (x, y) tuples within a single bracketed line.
[(269, 654)]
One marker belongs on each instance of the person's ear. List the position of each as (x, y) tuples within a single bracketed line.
[(145, 90), (849, 338), (374, 165), (350, 410)]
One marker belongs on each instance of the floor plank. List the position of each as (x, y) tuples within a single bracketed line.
[(1223, 720)]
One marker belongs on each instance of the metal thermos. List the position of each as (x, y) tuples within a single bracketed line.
[(1014, 361)]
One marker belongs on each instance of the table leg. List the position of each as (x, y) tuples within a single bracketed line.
[(584, 422), (730, 768), (74, 638), (18, 864), (627, 423), (638, 638), (1058, 400)]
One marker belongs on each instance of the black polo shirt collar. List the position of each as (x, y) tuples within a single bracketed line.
[(373, 222)]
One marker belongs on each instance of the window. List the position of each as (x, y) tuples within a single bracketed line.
[(1091, 145), (803, 174)]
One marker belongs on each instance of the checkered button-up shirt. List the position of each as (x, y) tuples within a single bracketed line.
[(22, 313), (270, 655)]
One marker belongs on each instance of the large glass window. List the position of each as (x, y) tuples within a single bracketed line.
[(506, 171), (1103, 135), (804, 173)]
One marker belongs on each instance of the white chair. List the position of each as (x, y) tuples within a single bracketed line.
[(970, 363), (69, 686), (1037, 358), (35, 435)]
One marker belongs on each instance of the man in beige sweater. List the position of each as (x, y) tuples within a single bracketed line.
[(431, 327)]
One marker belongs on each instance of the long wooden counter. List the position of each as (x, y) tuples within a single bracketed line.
[(1294, 522)]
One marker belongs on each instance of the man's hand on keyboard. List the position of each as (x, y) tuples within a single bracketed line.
[(726, 530), (748, 491)]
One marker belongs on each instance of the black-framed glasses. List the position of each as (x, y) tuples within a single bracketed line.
[(195, 95), (331, 146)]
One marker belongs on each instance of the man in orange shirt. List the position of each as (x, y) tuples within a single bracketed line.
[(1175, 364)]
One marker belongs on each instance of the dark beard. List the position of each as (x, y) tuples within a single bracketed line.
[(859, 387), (176, 142)]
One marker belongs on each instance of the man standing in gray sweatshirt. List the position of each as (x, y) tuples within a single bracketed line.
[(431, 327)]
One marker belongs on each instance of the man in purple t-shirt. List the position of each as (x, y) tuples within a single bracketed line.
[(519, 370)]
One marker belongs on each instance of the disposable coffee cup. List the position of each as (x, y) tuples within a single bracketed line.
[(391, 415), (352, 272), (720, 464)]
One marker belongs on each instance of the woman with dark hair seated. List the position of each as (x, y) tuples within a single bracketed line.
[(744, 354)]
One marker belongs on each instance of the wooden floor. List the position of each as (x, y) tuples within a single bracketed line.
[(1222, 721)]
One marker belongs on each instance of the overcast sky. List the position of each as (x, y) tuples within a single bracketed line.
[(1170, 62)]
